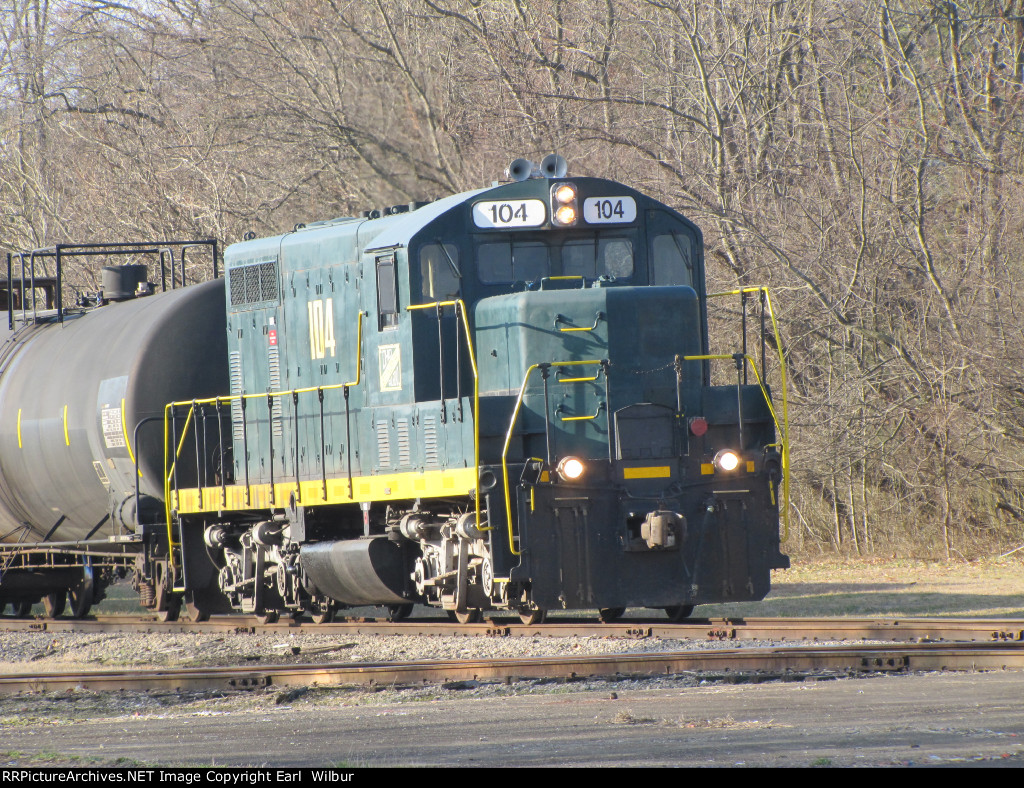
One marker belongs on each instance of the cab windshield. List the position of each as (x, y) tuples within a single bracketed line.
[(528, 260)]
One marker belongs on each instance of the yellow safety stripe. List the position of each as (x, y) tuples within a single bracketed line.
[(385, 487), (650, 472), (127, 443)]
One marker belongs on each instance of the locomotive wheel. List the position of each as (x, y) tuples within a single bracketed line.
[(465, 616), (531, 617), (267, 617), (80, 597), (200, 604), (196, 614), (171, 611), (325, 616), (399, 612), (679, 613), (610, 614), (54, 604)]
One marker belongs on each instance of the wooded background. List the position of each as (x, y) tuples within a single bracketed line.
[(862, 158)]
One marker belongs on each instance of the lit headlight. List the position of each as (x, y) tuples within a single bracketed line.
[(570, 468), (563, 205), (727, 460), (565, 215), (565, 194)]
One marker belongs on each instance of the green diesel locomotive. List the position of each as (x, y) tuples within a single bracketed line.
[(500, 400)]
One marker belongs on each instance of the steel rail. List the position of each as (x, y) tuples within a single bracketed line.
[(761, 663), (732, 629)]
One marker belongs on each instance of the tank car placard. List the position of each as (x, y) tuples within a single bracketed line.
[(113, 435), (109, 402)]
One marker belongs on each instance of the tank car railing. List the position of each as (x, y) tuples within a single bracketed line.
[(782, 427), (196, 411), (61, 252), (545, 369), (461, 319)]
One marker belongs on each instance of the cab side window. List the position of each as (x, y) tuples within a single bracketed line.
[(439, 272), (387, 293), (672, 259)]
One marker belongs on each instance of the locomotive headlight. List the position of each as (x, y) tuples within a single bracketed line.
[(727, 460), (565, 193), (570, 468), (563, 204)]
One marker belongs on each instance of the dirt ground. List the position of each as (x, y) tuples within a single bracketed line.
[(870, 587), (917, 720)]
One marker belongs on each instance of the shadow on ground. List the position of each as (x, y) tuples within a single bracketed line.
[(870, 599), (851, 599)]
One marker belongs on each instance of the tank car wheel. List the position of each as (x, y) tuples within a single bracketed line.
[(22, 609), (55, 603), (609, 614), (532, 617), (80, 597), (678, 613), (267, 617), (325, 616), (399, 612), (168, 604), (472, 616)]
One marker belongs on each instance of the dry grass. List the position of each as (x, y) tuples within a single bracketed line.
[(989, 588)]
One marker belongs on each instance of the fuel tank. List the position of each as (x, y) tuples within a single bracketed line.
[(72, 394)]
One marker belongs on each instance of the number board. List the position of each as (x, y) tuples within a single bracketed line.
[(609, 210), (509, 213)]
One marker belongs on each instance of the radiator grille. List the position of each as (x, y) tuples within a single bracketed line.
[(404, 453), (235, 377), (430, 453), (255, 283), (275, 385), (383, 444)]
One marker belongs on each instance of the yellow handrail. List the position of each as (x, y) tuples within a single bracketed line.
[(508, 439), (460, 309), (169, 471), (597, 413), (785, 400)]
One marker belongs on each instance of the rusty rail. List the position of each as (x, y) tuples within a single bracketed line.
[(738, 629), (762, 663)]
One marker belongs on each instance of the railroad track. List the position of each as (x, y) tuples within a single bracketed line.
[(782, 629), (743, 664)]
